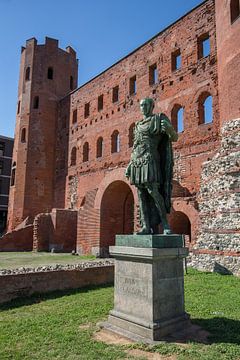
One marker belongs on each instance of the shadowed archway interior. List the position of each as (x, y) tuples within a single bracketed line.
[(117, 213), (180, 224)]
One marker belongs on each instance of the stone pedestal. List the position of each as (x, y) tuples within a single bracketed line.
[(149, 286)]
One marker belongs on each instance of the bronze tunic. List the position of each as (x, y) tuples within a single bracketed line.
[(144, 166)]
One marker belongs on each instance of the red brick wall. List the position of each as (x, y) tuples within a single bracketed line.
[(228, 39), (18, 240), (182, 87), (35, 158), (75, 182), (57, 230)]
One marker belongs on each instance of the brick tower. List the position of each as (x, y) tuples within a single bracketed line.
[(218, 245), (47, 74)]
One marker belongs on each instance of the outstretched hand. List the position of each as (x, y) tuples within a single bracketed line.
[(166, 126)]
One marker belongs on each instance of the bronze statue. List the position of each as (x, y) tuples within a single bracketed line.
[(151, 167)]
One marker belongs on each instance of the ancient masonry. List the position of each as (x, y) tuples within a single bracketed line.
[(68, 189)]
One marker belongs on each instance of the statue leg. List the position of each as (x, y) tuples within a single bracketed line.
[(144, 211), (159, 203)]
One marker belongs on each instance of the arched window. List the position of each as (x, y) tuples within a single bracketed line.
[(13, 173), (85, 151), (234, 10), (36, 102), (131, 135), (73, 156), (27, 73), (50, 73), (99, 151), (177, 118), (205, 108), (71, 83), (115, 142), (23, 135)]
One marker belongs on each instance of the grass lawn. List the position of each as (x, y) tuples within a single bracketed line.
[(13, 260), (53, 326)]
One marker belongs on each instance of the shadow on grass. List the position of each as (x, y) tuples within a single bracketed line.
[(37, 297), (222, 330)]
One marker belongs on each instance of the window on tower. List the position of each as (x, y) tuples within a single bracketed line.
[(71, 83), (50, 73), (100, 102), (27, 73), (36, 102), (234, 10), (85, 151), (23, 135)]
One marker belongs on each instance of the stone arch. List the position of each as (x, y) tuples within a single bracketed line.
[(184, 211), (114, 175), (116, 214)]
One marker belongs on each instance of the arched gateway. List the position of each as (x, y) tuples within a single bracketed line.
[(116, 214)]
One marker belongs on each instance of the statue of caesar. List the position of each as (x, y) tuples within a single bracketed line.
[(151, 168)]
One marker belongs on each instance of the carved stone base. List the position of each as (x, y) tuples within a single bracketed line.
[(149, 289)]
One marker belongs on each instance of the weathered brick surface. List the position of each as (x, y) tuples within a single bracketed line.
[(56, 230), (183, 87), (18, 240), (22, 285), (32, 192)]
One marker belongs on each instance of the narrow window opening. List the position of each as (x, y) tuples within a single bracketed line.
[(234, 10), (133, 85), (13, 175), (131, 135), (73, 156), (27, 74), (23, 135), (153, 74), (205, 109), (99, 152), (71, 82), (50, 73), (100, 102), (115, 142), (74, 116), (1, 167), (177, 118), (85, 152), (204, 48), (36, 102), (86, 110), (115, 94), (180, 120), (19, 107), (176, 60), (208, 113)]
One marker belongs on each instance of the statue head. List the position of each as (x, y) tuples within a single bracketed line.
[(146, 106)]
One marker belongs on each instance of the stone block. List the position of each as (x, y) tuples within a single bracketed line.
[(149, 287)]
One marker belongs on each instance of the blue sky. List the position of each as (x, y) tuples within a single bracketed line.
[(101, 32)]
